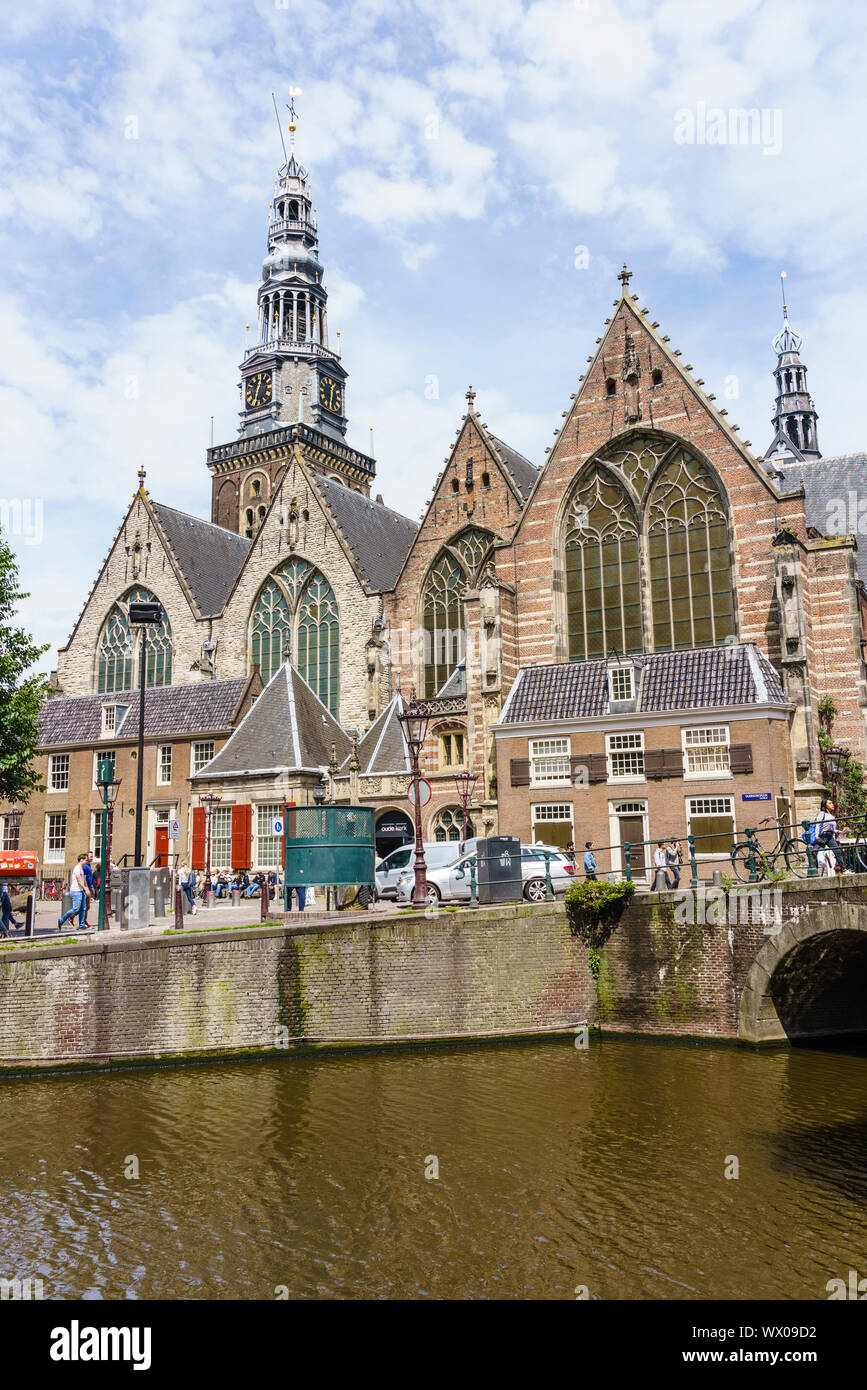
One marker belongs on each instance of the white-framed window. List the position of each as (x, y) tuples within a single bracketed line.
[(202, 753), (96, 836), (109, 720), (55, 837), (621, 683), (551, 823), (104, 755), (549, 761), (625, 756), (164, 764), (706, 751), (711, 819), (11, 834), (452, 749), (221, 837), (58, 772), (269, 847)]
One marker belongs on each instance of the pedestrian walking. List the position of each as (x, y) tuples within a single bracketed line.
[(88, 874), (826, 834), (79, 891), (660, 861), (6, 918), (188, 884), (673, 862), (590, 865), (570, 851)]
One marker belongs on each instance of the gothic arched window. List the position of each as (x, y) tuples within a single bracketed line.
[(603, 602), (449, 825), (119, 648), (688, 557), (464, 563), (296, 619)]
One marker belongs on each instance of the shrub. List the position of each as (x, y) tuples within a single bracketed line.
[(594, 909)]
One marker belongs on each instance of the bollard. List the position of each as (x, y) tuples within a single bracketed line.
[(717, 878), (549, 889), (627, 859), (474, 896), (236, 897), (179, 908), (812, 866), (660, 883), (693, 882), (287, 898), (29, 916), (159, 899), (751, 855), (264, 901), (65, 904)]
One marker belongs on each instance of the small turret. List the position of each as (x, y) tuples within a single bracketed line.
[(796, 438)]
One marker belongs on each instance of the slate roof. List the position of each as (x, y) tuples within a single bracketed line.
[(383, 748), (379, 538), (523, 472), (827, 484), (200, 707), (704, 678), (210, 557), (456, 685), (288, 728)]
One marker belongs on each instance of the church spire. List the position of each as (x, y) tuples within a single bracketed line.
[(795, 431), (291, 373)]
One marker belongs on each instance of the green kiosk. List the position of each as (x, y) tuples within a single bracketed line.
[(328, 847)]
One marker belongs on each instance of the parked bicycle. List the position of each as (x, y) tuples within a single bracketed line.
[(791, 851)]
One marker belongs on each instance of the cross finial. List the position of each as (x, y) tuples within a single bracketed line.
[(141, 478), (471, 396), (624, 277)]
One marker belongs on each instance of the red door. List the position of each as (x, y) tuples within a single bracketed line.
[(162, 846)]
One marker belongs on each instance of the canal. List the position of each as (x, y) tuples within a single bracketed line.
[(557, 1168)]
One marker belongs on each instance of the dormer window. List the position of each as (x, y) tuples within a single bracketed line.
[(621, 683), (109, 719)]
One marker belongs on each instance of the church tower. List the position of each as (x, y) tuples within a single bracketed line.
[(795, 432), (291, 374), (293, 383)]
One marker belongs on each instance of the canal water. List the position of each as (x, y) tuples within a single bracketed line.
[(557, 1169)]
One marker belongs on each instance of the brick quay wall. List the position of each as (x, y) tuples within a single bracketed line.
[(502, 972)]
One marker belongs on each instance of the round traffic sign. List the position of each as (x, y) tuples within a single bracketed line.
[(424, 791), (278, 827)]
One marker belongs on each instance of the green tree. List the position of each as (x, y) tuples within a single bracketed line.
[(21, 695), (851, 792)]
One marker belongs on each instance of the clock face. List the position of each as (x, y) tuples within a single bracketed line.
[(331, 394), (257, 389)]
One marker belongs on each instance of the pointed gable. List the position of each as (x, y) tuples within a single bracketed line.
[(288, 729), (209, 556)]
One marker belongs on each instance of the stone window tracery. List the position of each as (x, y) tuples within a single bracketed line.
[(602, 590), (119, 648), (296, 619), (688, 558)]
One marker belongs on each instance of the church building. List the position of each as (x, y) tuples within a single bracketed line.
[(632, 636)]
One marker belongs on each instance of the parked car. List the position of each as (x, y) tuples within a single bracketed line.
[(451, 882), (396, 864)]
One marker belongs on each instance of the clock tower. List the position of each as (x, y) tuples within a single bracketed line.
[(291, 374)]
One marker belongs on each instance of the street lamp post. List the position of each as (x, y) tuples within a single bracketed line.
[(835, 760), (414, 721), (109, 787), (210, 800), (465, 785), (143, 615)]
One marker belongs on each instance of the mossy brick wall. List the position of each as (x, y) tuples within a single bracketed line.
[(494, 972)]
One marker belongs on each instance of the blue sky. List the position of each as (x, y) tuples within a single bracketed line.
[(481, 170)]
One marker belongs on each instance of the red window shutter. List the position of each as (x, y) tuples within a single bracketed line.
[(241, 837), (198, 854)]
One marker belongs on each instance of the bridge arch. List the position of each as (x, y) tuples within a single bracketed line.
[(810, 979)]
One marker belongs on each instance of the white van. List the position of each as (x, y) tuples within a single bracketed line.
[(437, 853)]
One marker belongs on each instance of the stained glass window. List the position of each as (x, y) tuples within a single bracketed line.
[(119, 648), (603, 601), (444, 637), (296, 619), (688, 556)]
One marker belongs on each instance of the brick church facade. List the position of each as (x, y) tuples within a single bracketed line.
[(646, 621)]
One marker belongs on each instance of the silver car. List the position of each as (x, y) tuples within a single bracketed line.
[(399, 864), (451, 882)]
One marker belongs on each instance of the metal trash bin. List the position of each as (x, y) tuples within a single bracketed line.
[(498, 869)]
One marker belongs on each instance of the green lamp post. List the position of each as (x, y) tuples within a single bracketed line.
[(108, 786)]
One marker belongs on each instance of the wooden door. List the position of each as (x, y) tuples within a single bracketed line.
[(161, 842), (632, 830)]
